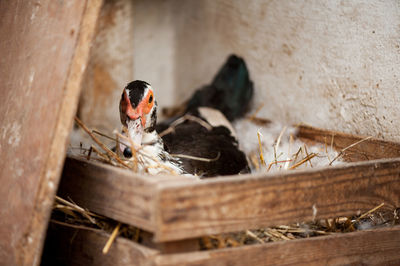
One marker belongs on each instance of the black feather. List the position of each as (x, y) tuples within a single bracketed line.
[(136, 90), (190, 138), (230, 92)]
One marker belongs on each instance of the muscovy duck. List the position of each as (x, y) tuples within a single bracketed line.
[(138, 113), (230, 91), (201, 146)]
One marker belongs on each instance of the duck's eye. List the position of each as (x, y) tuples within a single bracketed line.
[(150, 98), (127, 152)]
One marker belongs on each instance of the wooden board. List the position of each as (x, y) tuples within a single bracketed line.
[(249, 202), (112, 191), (184, 208), (70, 246), (44, 49), (109, 190), (375, 247), (367, 150), (180, 208)]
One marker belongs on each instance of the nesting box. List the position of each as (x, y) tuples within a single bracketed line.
[(327, 64)]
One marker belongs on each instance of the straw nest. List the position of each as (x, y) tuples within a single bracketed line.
[(67, 213), (266, 151)]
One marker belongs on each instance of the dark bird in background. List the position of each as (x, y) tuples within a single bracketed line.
[(208, 140), (230, 91)]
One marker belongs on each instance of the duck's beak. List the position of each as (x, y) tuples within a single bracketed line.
[(135, 131), (131, 113), (133, 119)]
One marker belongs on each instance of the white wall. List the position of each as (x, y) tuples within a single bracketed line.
[(331, 64)]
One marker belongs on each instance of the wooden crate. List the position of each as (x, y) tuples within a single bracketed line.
[(177, 210), (155, 40)]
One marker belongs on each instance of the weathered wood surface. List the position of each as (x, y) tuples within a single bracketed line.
[(69, 246), (184, 208), (111, 191), (246, 202), (44, 48), (367, 150), (375, 247)]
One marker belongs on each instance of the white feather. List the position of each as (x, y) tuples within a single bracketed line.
[(246, 131)]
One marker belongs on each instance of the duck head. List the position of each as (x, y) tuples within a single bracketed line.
[(138, 110)]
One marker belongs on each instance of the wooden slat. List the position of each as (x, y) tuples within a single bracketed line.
[(44, 47), (111, 191), (175, 208), (375, 247), (181, 209), (108, 190), (237, 203), (70, 246), (368, 150)]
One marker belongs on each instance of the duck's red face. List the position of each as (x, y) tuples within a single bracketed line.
[(141, 111), (138, 109)]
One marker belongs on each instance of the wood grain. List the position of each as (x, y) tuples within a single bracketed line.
[(69, 246), (108, 190), (368, 150), (111, 191), (246, 202), (183, 208), (44, 48), (51, 177), (375, 247)]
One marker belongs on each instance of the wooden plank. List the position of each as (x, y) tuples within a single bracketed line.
[(185, 245), (108, 190), (245, 202), (44, 49), (183, 208), (372, 247), (368, 150), (71, 246), (112, 191)]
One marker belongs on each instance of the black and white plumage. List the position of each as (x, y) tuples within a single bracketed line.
[(215, 142), (138, 113)]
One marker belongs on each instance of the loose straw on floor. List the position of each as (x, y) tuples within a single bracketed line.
[(111, 239)]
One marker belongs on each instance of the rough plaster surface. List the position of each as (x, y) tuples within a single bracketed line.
[(331, 64), (110, 66)]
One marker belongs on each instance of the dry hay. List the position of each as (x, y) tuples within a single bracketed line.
[(369, 220), (67, 213), (141, 161), (297, 155)]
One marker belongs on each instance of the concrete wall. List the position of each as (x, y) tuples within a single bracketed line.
[(331, 64)]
